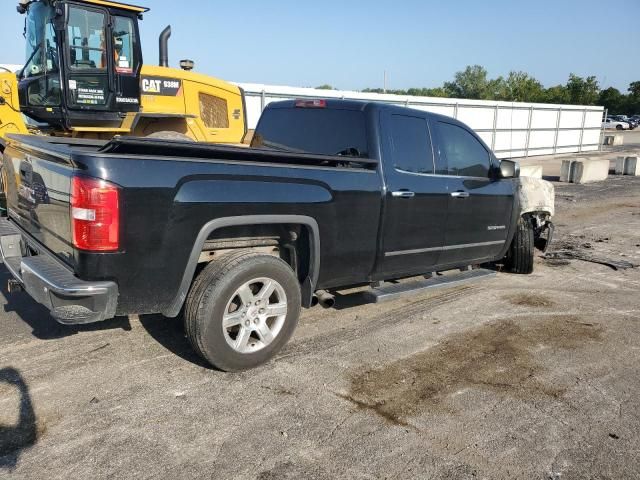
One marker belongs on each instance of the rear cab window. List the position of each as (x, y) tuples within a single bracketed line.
[(319, 131)]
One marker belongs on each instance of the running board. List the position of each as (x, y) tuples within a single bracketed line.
[(396, 290)]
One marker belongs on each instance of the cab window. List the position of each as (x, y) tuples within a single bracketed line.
[(410, 144), (123, 45), (466, 156), (320, 131), (86, 32), (41, 41)]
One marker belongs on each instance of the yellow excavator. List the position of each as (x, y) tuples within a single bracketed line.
[(84, 77)]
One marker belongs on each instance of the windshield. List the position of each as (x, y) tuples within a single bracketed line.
[(41, 53)]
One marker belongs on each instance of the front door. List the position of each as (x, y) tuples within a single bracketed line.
[(88, 79), (415, 206), (479, 204)]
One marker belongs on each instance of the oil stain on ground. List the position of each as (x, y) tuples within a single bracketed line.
[(529, 300), (497, 356)]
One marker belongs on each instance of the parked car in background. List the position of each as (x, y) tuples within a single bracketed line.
[(633, 123), (610, 122)]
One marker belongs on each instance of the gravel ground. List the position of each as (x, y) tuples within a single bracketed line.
[(514, 377)]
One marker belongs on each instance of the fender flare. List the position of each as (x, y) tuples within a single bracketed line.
[(314, 267)]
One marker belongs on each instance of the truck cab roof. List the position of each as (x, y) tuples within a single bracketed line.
[(359, 105)]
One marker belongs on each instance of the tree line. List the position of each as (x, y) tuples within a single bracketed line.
[(474, 83)]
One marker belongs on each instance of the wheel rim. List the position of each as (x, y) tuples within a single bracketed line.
[(254, 315)]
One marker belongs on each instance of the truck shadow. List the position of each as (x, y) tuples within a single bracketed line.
[(169, 332), (14, 439), (39, 319)]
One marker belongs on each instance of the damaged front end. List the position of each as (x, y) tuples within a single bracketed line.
[(537, 203)]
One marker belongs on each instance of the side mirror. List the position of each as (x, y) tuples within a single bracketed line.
[(509, 169)]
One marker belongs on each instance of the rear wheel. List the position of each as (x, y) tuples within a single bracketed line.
[(521, 252), (169, 135), (242, 309), (619, 127)]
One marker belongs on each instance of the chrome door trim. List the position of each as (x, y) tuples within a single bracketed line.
[(446, 247)]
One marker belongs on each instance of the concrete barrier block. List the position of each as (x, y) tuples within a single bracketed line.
[(616, 139), (587, 171), (534, 171), (632, 166), (565, 170), (620, 163)]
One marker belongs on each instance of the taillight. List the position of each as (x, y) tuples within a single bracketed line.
[(95, 215)]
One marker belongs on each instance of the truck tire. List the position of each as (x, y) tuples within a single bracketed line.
[(619, 127), (169, 135), (242, 309), (520, 254)]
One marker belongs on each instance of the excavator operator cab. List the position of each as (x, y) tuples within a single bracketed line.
[(82, 62)]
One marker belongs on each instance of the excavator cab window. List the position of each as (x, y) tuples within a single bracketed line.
[(86, 35), (124, 46), (42, 63)]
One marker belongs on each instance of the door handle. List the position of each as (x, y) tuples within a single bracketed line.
[(403, 194), (460, 194)]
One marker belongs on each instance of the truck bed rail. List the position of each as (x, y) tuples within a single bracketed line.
[(177, 148)]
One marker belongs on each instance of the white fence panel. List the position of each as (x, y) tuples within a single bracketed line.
[(511, 129)]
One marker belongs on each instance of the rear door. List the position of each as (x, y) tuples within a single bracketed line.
[(415, 206), (479, 205)]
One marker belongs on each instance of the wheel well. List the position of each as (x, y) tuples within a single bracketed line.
[(148, 125), (298, 242), (290, 242)]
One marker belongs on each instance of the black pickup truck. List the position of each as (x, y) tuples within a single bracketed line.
[(331, 194)]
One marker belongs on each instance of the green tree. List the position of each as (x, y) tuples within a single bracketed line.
[(470, 83), (613, 100), (521, 87), (632, 106), (495, 89), (474, 83), (555, 94), (427, 92), (582, 91), (325, 87)]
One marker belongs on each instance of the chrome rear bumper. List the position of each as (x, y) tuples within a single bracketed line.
[(69, 299)]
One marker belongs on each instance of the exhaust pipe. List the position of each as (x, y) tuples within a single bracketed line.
[(164, 46), (14, 286), (325, 299)]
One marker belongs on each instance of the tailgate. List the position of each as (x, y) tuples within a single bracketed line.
[(38, 182)]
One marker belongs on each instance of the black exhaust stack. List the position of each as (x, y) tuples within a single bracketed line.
[(164, 46)]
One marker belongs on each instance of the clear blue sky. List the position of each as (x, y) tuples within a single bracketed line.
[(349, 44)]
